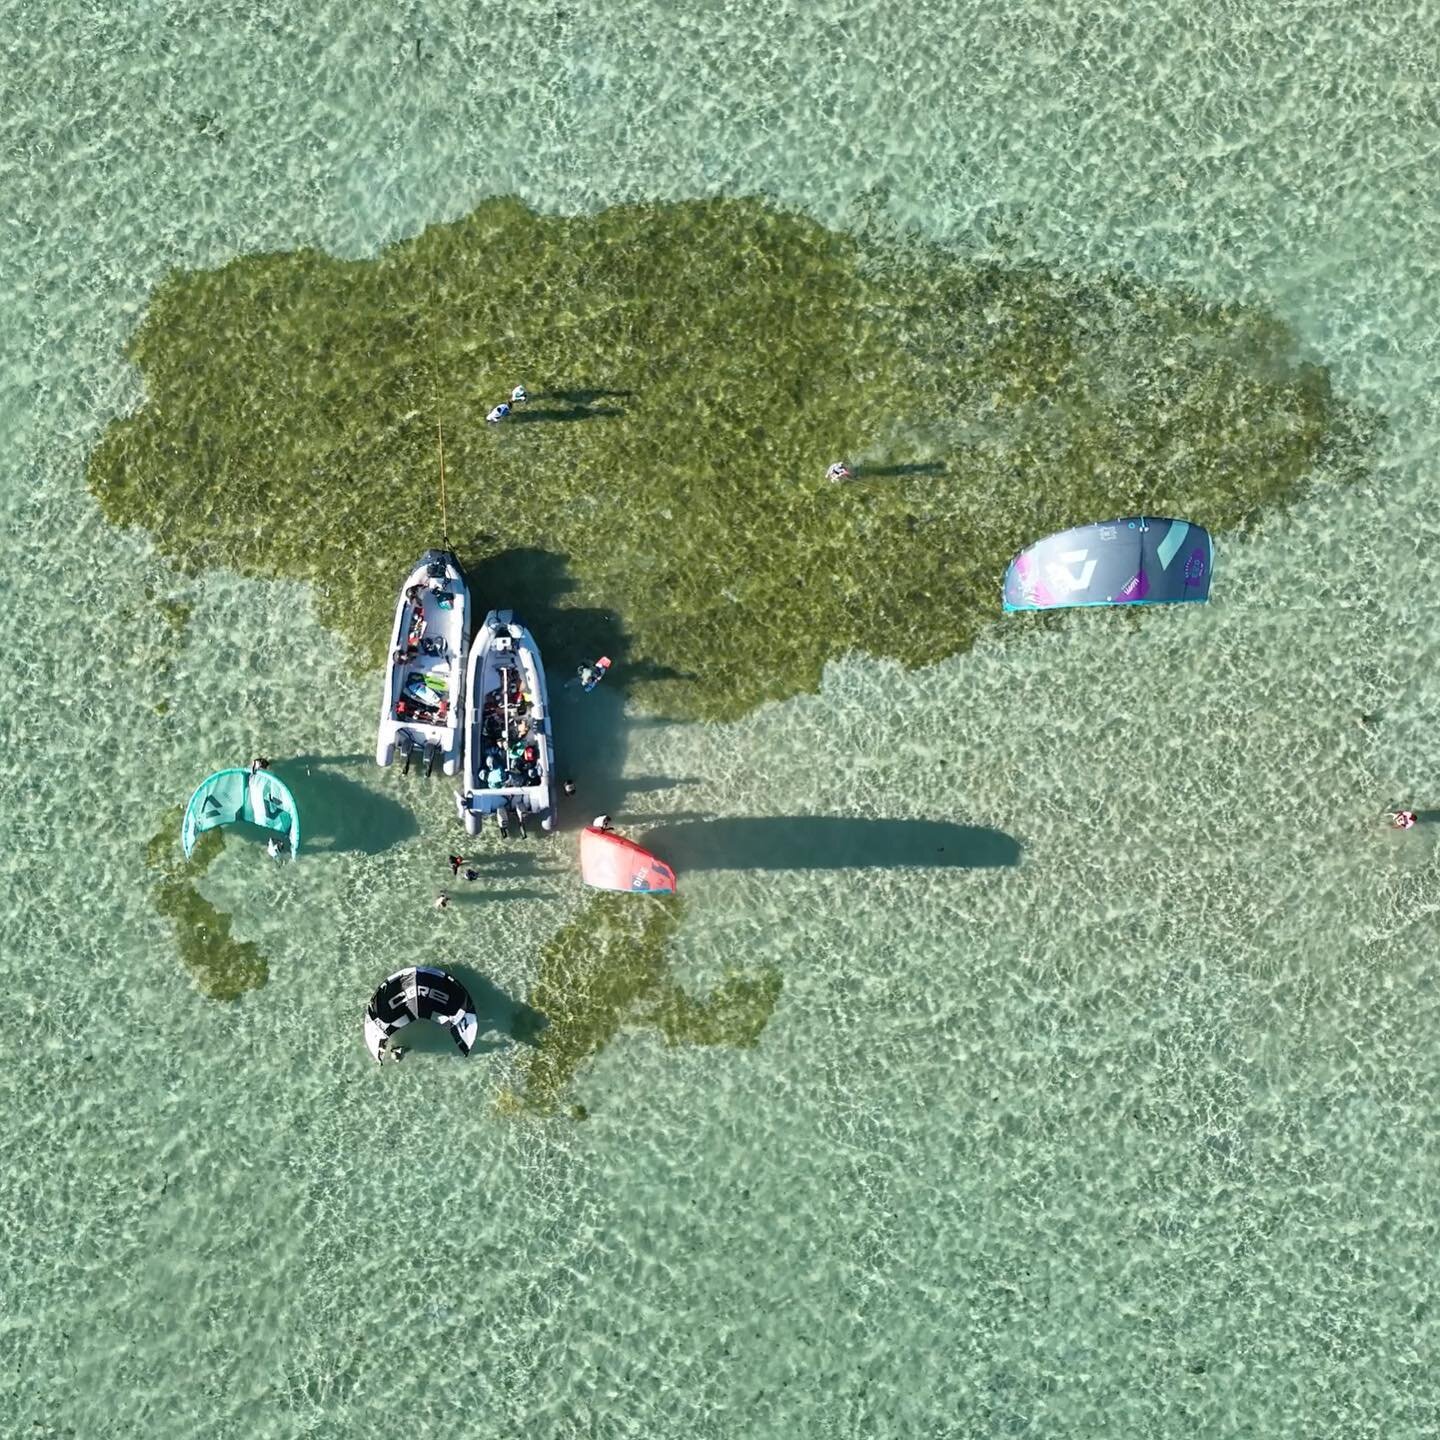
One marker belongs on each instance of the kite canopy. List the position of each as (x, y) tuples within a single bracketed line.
[(420, 993), (230, 796), (610, 862), (1139, 560)]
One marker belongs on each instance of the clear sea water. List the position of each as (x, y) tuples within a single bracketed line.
[(1136, 1138)]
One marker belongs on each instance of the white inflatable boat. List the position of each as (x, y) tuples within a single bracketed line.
[(509, 767), (423, 699)]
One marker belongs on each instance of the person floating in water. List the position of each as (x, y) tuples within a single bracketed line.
[(591, 675), (498, 413), (839, 471), (568, 787), (1403, 819), (442, 901), (518, 395), (456, 861)]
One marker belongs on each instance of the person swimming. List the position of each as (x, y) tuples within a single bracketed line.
[(591, 675)]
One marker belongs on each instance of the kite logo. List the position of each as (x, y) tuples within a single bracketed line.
[(1063, 578)]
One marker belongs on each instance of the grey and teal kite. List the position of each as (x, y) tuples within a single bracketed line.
[(1140, 560)]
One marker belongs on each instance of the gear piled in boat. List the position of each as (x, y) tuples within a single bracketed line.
[(421, 704), (420, 993), (509, 752)]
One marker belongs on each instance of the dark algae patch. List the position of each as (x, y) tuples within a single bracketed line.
[(224, 968), (693, 369), (610, 969)]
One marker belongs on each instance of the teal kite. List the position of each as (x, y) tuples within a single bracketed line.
[(230, 796)]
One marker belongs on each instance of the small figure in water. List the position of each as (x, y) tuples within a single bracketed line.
[(456, 861), (498, 413), (603, 822), (472, 874), (518, 395), (839, 471), (260, 762), (394, 1053), (442, 901), (1403, 819), (568, 787), (591, 675), (275, 848)]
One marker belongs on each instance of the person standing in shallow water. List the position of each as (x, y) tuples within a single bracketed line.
[(839, 471), (1404, 819)]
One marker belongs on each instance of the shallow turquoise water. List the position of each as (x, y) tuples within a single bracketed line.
[(1134, 1138)]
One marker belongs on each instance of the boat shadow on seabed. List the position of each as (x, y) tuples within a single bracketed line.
[(590, 728)]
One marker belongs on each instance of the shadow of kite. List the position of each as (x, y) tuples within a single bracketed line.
[(498, 1012), (340, 814)]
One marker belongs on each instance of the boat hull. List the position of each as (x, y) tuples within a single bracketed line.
[(507, 730), (422, 698)]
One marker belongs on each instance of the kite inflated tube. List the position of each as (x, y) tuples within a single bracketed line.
[(420, 993)]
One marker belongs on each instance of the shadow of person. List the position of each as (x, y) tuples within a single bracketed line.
[(829, 842), (583, 397), (483, 897), (498, 1012), (340, 814), (877, 472), (530, 416)]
